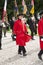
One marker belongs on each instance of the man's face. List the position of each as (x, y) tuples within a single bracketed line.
[(42, 15), (13, 18), (20, 17), (24, 20)]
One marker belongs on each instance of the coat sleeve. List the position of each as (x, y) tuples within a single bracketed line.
[(40, 30), (15, 28)]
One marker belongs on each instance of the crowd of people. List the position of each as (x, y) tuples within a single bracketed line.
[(20, 31)]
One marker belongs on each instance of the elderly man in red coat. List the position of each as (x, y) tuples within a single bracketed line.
[(40, 31), (20, 30)]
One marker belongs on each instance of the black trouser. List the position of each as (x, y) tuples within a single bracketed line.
[(21, 48), (0, 42), (35, 31), (32, 33), (0, 38), (4, 31), (41, 52), (0, 35)]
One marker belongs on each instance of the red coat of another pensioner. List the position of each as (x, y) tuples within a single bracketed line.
[(40, 31), (21, 33)]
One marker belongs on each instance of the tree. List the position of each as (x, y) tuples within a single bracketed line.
[(10, 6)]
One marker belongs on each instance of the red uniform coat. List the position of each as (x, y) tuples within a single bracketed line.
[(21, 33), (40, 31)]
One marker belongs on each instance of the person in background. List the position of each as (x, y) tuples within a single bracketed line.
[(31, 24), (22, 37), (40, 32), (4, 27), (34, 24), (11, 22), (0, 33)]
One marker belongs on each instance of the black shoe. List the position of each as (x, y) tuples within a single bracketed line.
[(39, 56), (24, 54), (33, 39), (0, 48), (5, 36), (20, 53), (13, 39)]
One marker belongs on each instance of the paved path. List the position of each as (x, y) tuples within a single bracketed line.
[(9, 55)]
